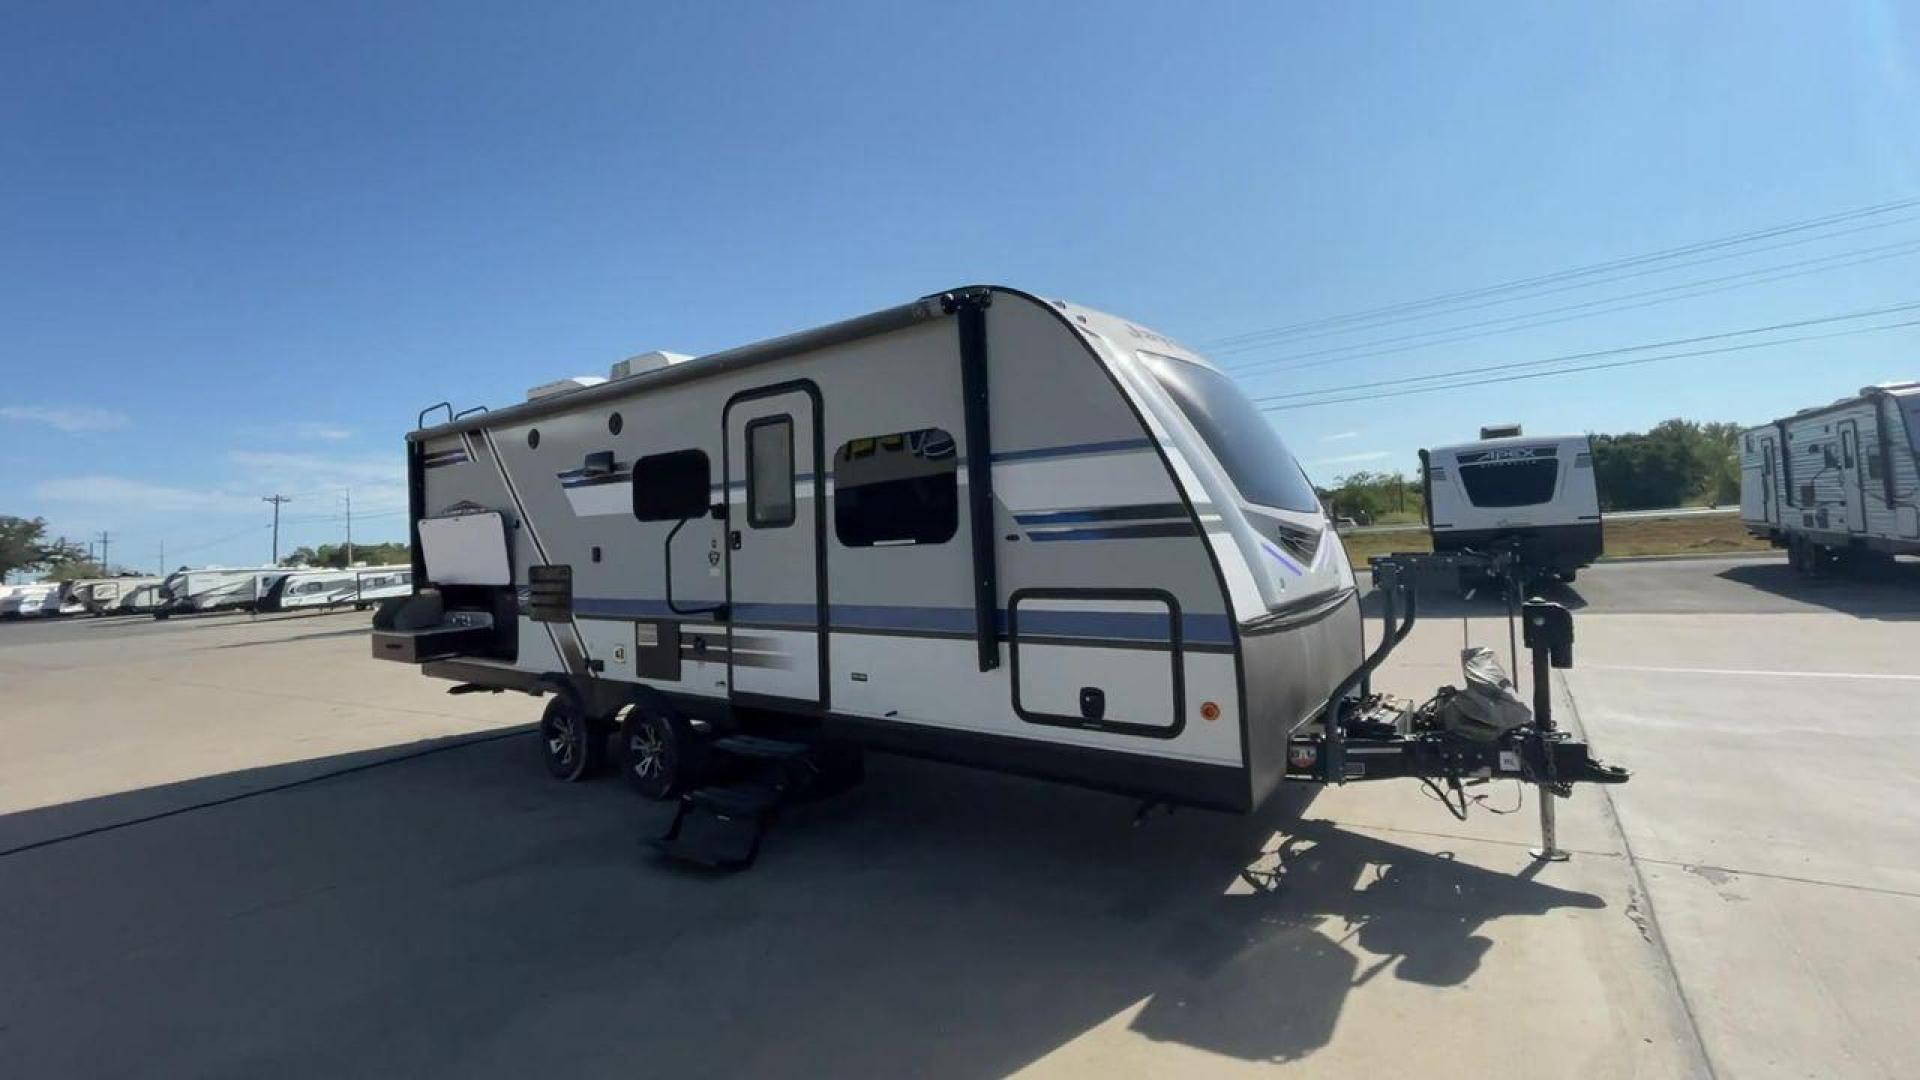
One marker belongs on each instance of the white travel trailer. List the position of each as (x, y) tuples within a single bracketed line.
[(138, 599), (982, 526), (192, 592), (1534, 496), (32, 601), (105, 596), (1840, 482), (317, 589)]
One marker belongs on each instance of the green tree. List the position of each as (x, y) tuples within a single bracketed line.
[(24, 546), (20, 544), (334, 556), (1369, 496), (75, 570), (1673, 463)]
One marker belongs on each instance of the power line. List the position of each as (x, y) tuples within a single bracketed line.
[(1592, 367), (1535, 294), (1797, 324), (1627, 302), (358, 515), (1591, 269), (1573, 286), (178, 548)]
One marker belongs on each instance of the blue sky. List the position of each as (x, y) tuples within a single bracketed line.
[(241, 245)]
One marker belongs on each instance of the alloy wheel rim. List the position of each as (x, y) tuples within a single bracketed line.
[(649, 752), (560, 739)]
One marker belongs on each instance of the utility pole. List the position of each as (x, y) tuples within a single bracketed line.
[(163, 558), (349, 527), (276, 500), (103, 553)]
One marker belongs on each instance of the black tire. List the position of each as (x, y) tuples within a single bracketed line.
[(661, 755), (569, 741), (1566, 577)]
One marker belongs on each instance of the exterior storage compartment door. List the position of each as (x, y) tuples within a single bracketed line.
[(1099, 659)]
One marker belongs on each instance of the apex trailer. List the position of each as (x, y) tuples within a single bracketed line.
[(1840, 482), (1532, 496), (982, 526)]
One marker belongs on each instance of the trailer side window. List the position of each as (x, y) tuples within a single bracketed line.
[(893, 489), (770, 472), (1910, 405), (672, 486)]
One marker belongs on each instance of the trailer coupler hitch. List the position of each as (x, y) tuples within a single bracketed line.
[(1368, 736)]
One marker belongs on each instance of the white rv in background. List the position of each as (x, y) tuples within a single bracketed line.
[(32, 601), (137, 599), (106, 596), (319, 589), (1536, 496), (1840, 482), (192, 592)]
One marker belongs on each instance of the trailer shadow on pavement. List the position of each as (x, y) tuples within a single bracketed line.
[(458, 913), (1890, 591)]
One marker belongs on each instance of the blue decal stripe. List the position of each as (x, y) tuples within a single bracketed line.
[(1150, 531), (1196, 629), (1141, 512), (578, 477), (1074, 450), (1284, 561)]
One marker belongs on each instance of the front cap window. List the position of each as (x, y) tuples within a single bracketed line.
[(1262, 468)]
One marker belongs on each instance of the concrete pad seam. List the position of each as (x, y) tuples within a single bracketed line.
[(1817, 882), (238, 796), (1770, 554), (1432, 835), (312, 700), (1652, 925)]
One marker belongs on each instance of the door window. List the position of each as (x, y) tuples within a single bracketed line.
[(770, 473)]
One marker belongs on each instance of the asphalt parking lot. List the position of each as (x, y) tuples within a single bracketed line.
[(240, 847)]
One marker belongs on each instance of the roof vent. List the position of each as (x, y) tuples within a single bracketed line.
[(563, 386), (1500, 431), (645, 362)]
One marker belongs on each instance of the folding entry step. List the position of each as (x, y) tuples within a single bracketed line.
[(721, 825)]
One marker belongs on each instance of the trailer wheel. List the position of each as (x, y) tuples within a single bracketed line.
[(568, 740), (660, 754), (1797, 555)]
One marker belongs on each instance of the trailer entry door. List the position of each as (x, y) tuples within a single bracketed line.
[(1771, 508), (775, 574), (1853, 476)]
